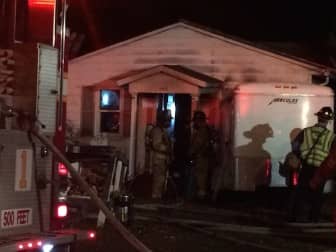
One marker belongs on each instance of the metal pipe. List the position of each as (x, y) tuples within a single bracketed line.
[(54, 24), (61, 65), (38, 190)]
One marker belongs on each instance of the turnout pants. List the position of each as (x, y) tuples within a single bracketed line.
[(305, 203)]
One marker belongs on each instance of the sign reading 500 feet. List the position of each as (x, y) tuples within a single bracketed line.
[(11, 218)]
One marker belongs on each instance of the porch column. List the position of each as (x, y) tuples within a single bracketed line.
[(134, 111)]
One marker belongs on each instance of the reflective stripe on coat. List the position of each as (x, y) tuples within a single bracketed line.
[(322, 147)]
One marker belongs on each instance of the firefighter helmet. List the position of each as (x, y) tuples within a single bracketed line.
[(163, 116), (199, 115), (259, 131), (325, 113)]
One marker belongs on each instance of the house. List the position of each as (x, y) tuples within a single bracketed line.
[(113, 93)]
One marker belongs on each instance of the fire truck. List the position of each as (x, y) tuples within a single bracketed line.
[(34, 172), (33, 205), (33, 208)]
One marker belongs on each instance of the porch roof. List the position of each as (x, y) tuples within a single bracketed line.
[(175, 71)]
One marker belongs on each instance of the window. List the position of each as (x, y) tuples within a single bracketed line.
[(109, 99), (109, 105)]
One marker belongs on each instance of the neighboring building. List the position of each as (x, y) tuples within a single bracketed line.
[(114, 92)]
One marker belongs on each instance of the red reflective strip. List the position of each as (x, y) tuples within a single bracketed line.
[(62, 170), (267, 167), (295, 178)]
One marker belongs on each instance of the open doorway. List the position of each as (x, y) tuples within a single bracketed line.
[(167, 102), (182, 134), (179, 106), (179, 131)]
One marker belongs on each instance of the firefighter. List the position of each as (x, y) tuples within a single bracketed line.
[(312, 146), (161, 153), (199, 152)]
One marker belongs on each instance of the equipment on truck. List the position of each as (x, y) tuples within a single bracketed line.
[(24, 217), (26, 197)]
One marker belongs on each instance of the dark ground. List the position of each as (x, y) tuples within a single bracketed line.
[(237, 221), (156, 226)]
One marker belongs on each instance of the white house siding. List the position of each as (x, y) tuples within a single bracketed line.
[(181, 45)]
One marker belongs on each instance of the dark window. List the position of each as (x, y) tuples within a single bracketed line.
[(109, 122)]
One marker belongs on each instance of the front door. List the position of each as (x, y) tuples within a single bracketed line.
[(146, 119)]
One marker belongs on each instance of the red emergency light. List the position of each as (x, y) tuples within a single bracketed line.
[(92, 235), (29, 245), (62, 170), (61, 210), (41, 3)]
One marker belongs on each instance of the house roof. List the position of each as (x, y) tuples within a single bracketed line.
[(259, 47)]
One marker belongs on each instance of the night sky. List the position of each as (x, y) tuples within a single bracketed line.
[(108, 21)]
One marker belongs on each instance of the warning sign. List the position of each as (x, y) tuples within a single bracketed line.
[(11, 218), (23, 169)]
